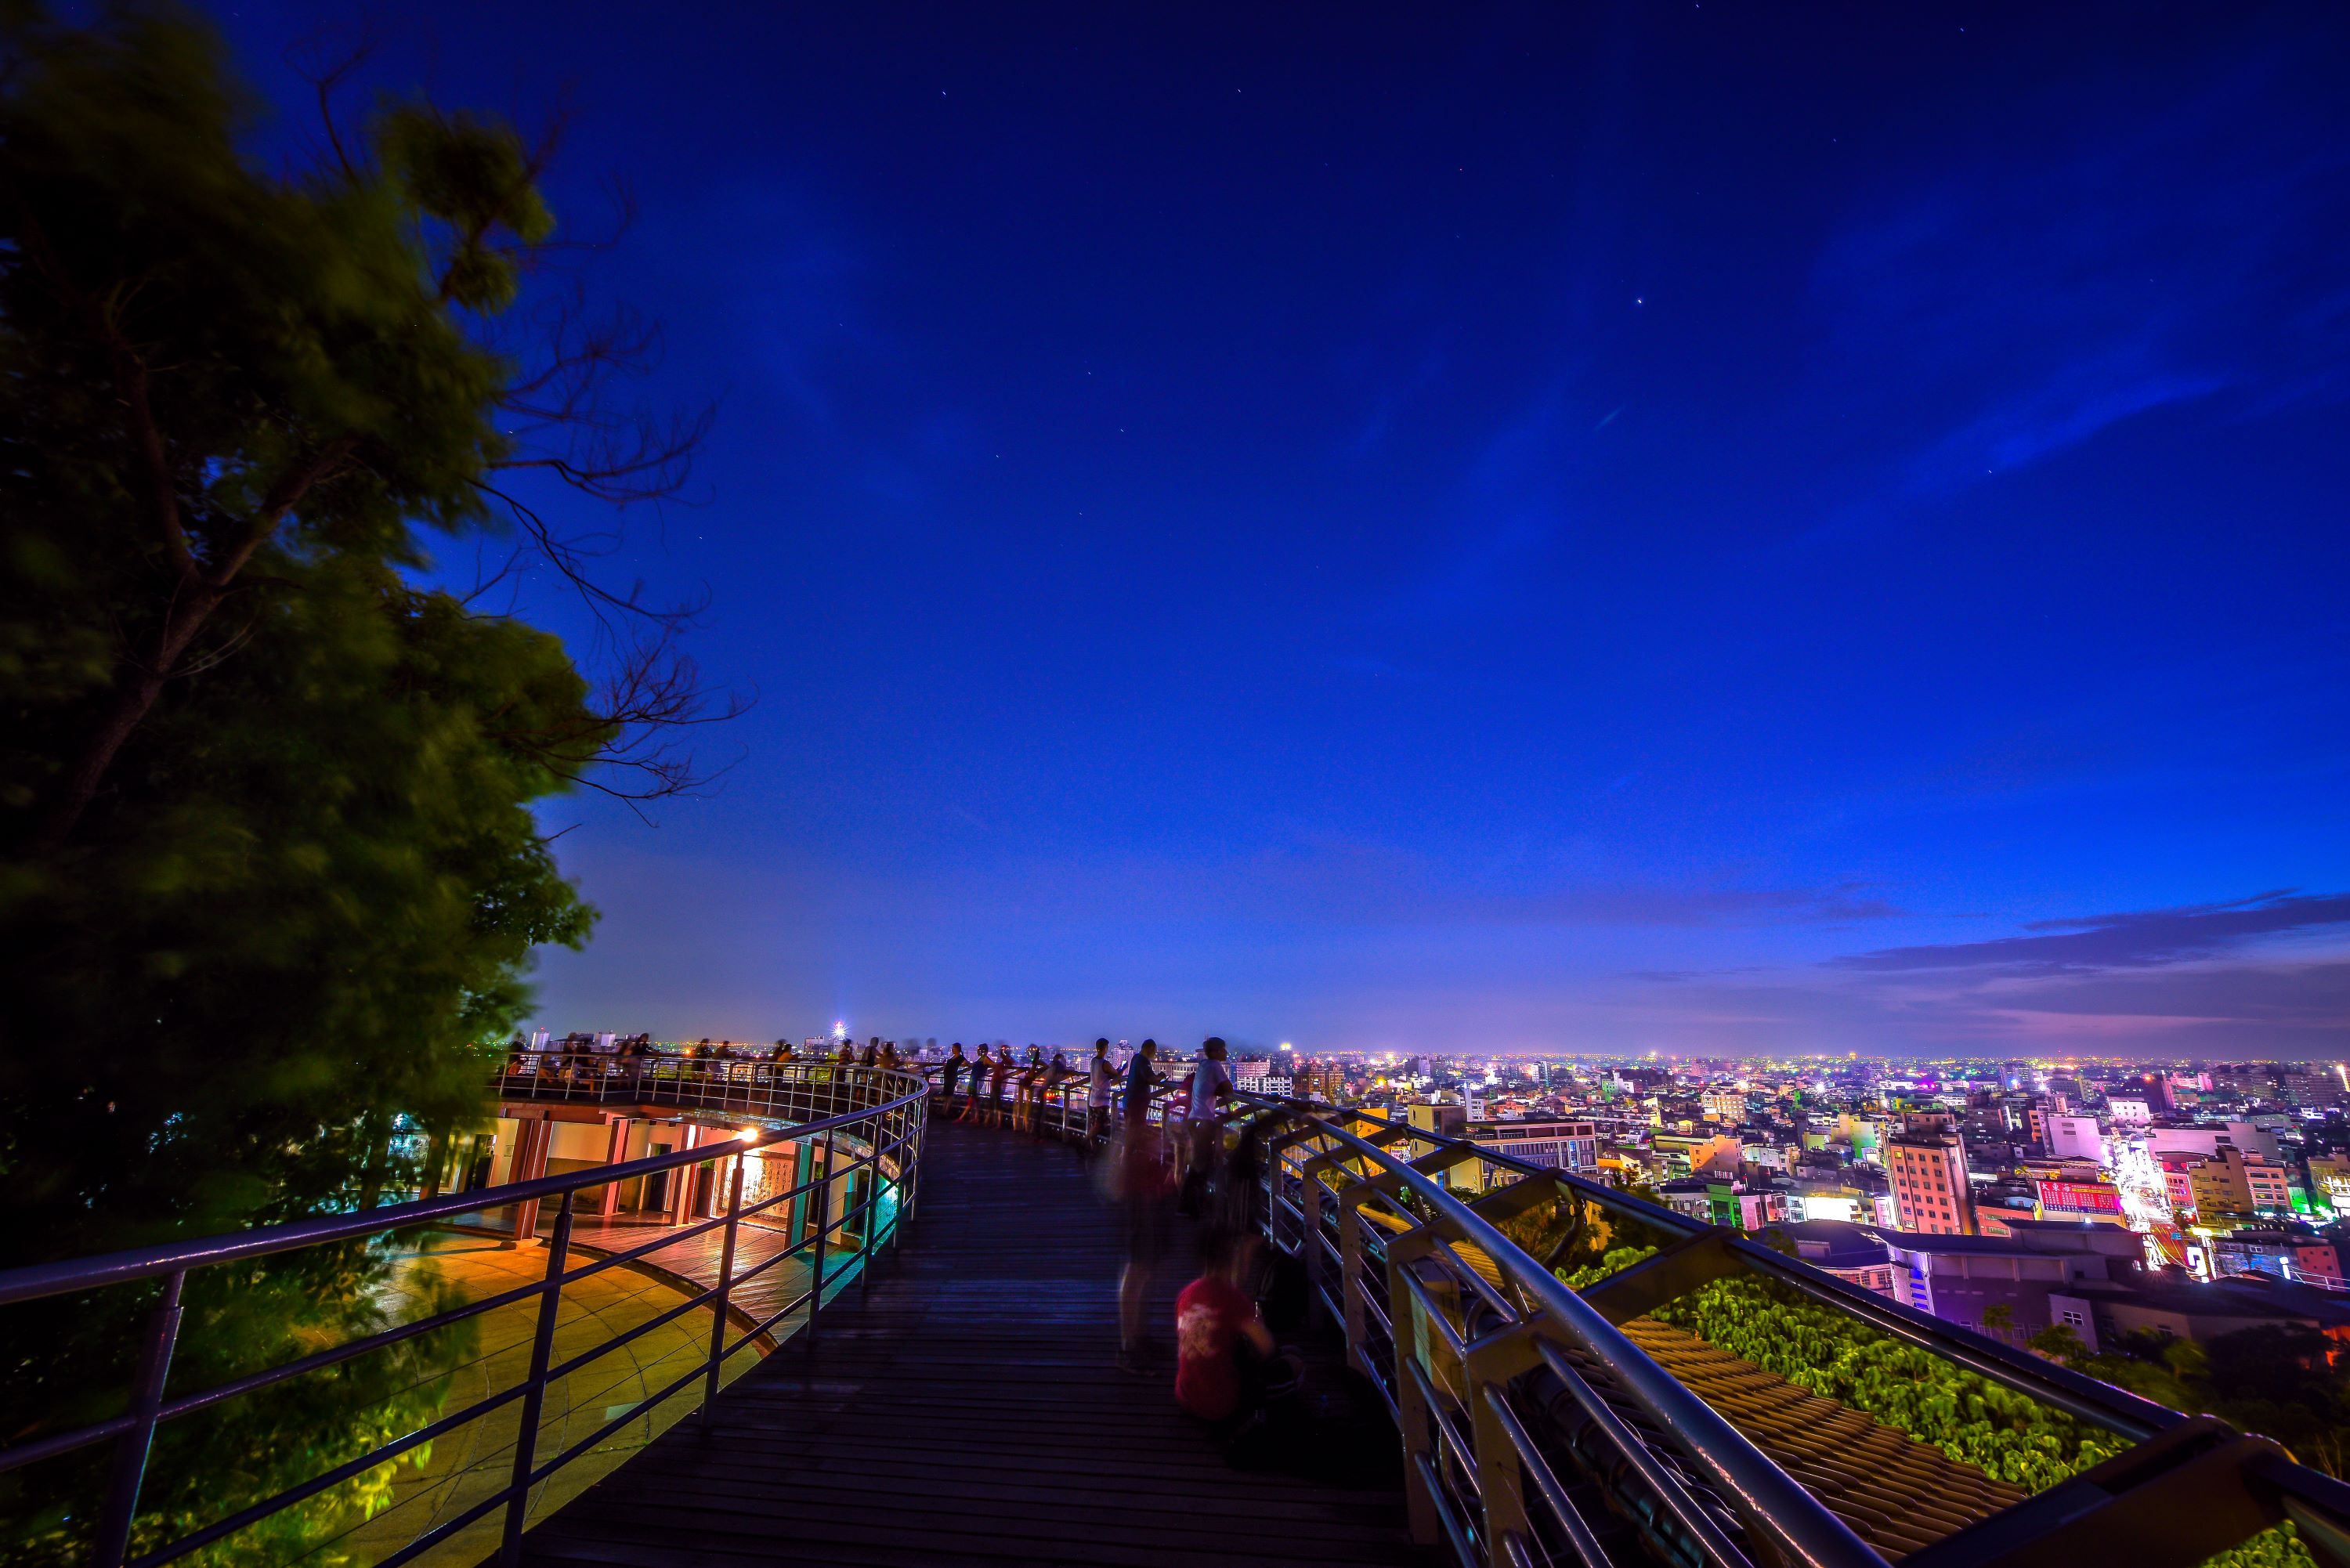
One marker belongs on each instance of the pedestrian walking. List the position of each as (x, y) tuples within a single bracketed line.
[(1139, 1186)]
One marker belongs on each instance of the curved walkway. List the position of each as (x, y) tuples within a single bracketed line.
[(966, 1411)]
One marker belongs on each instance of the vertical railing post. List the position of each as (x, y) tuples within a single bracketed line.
[(534, 1398), (131, 1450), (822, 1223), (872, 1214), (725, 1279)]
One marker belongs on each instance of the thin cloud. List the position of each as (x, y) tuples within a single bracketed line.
[(2034, 295), (2136, 940)]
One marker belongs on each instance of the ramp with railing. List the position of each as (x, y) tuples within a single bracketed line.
[(858, 1135)]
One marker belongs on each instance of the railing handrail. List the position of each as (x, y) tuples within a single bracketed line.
[(1797, 1526), (32, 1281), (890, 1131), (2117, 1410), (1800, 1526)]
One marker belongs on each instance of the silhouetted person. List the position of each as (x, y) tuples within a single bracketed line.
[(981, 1067), (1139, 1080), (950, 1076), (1005, 1071), (1057, 1073), (1032, 1078)]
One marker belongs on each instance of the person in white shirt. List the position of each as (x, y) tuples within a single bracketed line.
[(1101, 1092), (1211, 1084)]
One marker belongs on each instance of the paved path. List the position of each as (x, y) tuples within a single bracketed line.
[(967, 1411)]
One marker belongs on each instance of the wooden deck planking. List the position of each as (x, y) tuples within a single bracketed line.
[(965, 1408)]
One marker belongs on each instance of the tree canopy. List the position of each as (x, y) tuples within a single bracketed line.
[(271, 874)]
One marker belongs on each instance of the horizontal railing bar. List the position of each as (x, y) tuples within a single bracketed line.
[(255, 1381), (34, 1282), (1799, 1525), (1467, 1275), (1532, 1464), (1419, 1287), (447, 1528), (597, 1352), (772, 1259), (39, 1282), (1463, 1551), (1461, 1447), (32, 1453), (50, 1447), (649, 1402), (259, 1512), (1331, 1302), (2078, 1394), (1636, 1452)]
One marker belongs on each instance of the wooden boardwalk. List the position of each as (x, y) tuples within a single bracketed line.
[(966, 1410)]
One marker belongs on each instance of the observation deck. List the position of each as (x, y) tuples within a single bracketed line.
[(899, 1348)]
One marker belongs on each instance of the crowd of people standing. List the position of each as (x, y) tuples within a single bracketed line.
[(1228, 1369)]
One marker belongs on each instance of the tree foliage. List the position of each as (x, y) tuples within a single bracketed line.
[(269, 875)]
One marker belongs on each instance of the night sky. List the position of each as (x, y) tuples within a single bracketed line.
[(1727, 527)]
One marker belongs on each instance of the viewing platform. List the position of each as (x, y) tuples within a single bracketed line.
[(966, 1409), (891, 1337)]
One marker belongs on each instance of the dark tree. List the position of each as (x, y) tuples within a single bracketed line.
[(269, 875)]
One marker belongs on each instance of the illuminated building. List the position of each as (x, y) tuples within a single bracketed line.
[(1928, 1165)]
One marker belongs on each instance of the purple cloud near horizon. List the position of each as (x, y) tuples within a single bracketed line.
[(2132, 939)]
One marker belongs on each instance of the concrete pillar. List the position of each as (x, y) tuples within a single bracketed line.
[(533, 1138), (614, 1152)]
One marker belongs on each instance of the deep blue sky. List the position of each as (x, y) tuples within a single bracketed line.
[(1609, 528)]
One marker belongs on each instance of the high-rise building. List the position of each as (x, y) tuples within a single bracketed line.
[(1928, 1164)]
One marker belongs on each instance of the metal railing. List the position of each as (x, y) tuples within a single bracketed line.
[(869, 1121), (1514, 1393), (1533, 1427)]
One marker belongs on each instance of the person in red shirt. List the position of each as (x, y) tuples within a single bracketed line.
[(1226, 1366)]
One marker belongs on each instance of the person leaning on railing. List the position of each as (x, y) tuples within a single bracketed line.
[(1139, 1081), (1024, 1103), (1057, 1075), (951, 1072), (1211, 1086), (974, 1103), (998, 1110), (1101, 1088)]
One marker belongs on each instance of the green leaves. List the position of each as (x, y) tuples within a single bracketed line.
[(474, 175), (306, 882)]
